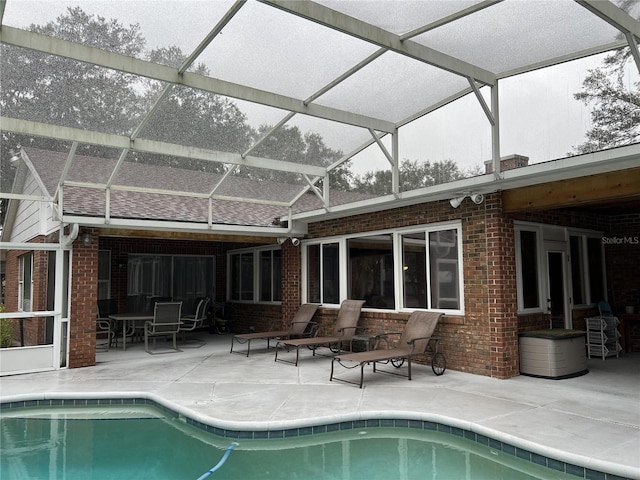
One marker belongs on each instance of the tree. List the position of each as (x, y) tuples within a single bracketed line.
[(192, 117), (51, 89), (414, 174), (616, 113)]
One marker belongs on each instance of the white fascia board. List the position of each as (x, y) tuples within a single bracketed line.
[(611, 160), (383, 38), (163, 73), (168, 226), (151, 146)]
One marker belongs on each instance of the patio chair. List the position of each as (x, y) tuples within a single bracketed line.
[(345, 327), (166, 323), (414, 341), (104, 325), (191, 322), (301, 326)]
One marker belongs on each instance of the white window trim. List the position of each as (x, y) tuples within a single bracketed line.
[(528, 227), (256, 274), (396, 234), (21, 283)]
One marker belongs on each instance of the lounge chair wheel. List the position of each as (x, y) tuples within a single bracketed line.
[(397, 362), (438, 363), (335, 348)]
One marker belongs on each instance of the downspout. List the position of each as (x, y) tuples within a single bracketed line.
[(67, 240)]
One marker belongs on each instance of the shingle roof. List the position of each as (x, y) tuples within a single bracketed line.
[(87, 201)]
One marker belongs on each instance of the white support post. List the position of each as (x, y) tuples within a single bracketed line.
[(495, 130), (395, 164)]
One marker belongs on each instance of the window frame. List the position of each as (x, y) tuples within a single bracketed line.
[(256, 283), (540, 267), (586, 286), (105, 282), (22, 282), (397, 251)]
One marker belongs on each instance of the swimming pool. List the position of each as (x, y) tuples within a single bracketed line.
[(141, 440)]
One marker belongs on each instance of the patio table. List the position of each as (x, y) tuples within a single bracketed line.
[(129, 317)]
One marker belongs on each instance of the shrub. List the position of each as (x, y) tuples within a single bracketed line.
[(6, 330)]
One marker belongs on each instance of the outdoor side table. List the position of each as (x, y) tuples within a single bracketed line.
[(370, 340)]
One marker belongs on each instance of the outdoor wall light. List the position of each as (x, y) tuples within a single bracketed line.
[(476, 198), (294, 241), (455, 202), (86, 239)]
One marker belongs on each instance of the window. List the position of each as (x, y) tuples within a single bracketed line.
[(596, 270), (270, 274), (323, 273), (444, 268), (180, 278), (404, 269), (255, 275), (528, 274), (242, 276), (25, 283), (587, 271), (371, 271), (104, 274), (577, 270)]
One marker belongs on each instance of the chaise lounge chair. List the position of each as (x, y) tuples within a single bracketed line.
[(346, 325), (301, 325), (414, 341)]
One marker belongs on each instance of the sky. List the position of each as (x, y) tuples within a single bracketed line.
[(539, 119)]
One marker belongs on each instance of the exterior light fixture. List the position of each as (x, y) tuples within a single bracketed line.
[(86, 239), (455, 202), (476, 198)]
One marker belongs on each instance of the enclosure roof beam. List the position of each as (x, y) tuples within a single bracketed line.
[(164, 73), (123, 142)]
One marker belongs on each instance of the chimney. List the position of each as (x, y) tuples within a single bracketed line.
[(507, 163)]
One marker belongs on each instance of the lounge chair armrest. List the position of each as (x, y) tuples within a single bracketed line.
[(414, 340), (346, 328)]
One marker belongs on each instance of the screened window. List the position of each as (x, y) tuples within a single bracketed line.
[(255, 275), (578, 270), (529, 285), (270, 275), (371, 270), (596, 270), (179, 278), (587, 271), (104, 274), (323, 273), (445, 269), (403, 269), (242, 276), (25, 283)]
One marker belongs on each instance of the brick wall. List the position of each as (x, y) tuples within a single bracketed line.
[(84, 298), (474, 343)]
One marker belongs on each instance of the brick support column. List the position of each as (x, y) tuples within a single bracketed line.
[(84, 298), (502, 290), (291, 279)]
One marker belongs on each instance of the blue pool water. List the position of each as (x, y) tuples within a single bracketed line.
[(144, 442)]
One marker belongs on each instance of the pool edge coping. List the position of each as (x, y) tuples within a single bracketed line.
[(234, 429)]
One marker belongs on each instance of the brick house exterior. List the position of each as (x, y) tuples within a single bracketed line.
[(483, 340)]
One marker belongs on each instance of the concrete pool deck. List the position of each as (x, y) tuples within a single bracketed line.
[(591, 421)]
